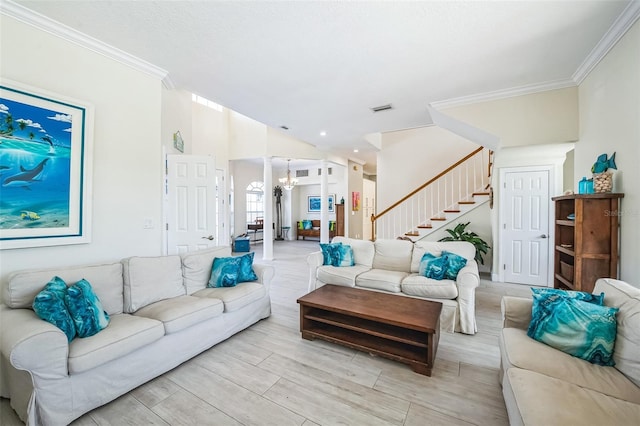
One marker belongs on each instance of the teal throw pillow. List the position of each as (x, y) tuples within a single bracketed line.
[(224, 272), (85, 309), (454, 264), (582, 329), (545, 298), (245, 270), (307, 224), (327, 252), (49, 305), (433, 267), (342, 256)]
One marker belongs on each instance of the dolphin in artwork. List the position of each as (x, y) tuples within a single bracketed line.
[(26, 175)]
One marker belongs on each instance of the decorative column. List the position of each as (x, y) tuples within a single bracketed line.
[(324, 203), (267, 230)]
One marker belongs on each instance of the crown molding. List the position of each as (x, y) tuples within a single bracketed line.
[(58, 29), (505, 93), (619, 28)]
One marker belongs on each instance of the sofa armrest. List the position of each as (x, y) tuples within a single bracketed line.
[(516, 312), (314, 260), (467, 281), (32, 344), (265, 273)]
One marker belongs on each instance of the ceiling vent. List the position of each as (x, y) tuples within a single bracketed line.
[(302, 173), (382, 108), (329, 169)]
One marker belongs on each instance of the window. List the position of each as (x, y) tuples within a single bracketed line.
[(255, 201), (206, 102)]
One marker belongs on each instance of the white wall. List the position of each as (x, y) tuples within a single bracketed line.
[(610, 121), (127, 160)]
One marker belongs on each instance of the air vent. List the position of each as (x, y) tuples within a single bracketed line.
[(302, 173), (330, 171), (284, 127), (382, 108)]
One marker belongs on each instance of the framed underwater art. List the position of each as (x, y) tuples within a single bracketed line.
[(46, 145)]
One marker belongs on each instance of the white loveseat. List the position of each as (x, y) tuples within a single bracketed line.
[(392, 266), (545, 386), (161, 313)]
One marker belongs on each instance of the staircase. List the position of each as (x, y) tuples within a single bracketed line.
[(460, 188)]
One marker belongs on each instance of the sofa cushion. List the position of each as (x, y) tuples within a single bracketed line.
[(106, 281), (341, 276), (150, 279), (181, 312), (363, 250), (196, 266), (381, 279), (85, 309), (327, 252), (544, 400), (417, 285), (627, 299), (393, 255), (462, 248), (519, 350), (125, 334), (245, 271), (237, 297)]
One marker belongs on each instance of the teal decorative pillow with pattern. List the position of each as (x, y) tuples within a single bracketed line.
[(85, 309), (433, 267), (545, 298), (327, 252), (49, 305), (454, 264), (307, 224), (342, 256), (582, 329), (224, 272), (245, 270)]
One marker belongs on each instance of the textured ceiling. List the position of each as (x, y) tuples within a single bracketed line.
[(320, 66)]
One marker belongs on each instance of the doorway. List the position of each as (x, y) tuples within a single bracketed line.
[(525, 219)]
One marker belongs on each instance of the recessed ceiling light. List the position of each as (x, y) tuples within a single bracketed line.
[(323, 133), (356, 150)]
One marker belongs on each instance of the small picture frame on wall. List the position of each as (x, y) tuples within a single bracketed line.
[(313, 203), (178, 143)]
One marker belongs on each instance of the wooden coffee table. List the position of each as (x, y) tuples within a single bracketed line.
[(401, 328)]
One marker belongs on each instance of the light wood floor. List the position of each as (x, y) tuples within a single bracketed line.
[(268, 375)]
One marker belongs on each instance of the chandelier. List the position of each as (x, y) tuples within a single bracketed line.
[(288, 182)]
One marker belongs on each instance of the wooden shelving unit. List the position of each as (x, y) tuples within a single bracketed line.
[(340, 220), (586, 248)]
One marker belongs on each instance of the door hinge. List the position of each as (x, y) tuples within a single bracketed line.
[(166, 226), (504, 266)]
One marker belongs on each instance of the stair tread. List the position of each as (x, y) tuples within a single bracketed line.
[(452, 211), (412, 234), (480, 193), (425, 226), (438, 218), (466, 202)]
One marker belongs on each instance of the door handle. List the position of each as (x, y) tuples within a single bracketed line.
[(543, 236), (210, 238)]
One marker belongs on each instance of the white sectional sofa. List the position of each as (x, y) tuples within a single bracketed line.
[(161, 314), (392, 266), (545, 386)]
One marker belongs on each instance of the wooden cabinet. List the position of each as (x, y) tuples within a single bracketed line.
[(340, 220), (586, 239)]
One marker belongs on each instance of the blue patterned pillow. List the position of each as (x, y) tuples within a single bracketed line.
[(85, 308), (307, 224), (224, 272), (327, 252), (433, 267), (49, 305), (245, 271), (342, 256), (455, 263), (582, 329), (544, 298)]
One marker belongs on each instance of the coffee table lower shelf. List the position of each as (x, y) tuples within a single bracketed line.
[(417, 349)]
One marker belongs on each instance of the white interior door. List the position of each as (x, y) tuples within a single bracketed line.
[(525, 233), (191, 203)]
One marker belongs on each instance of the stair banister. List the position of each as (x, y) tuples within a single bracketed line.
[(375, 217)]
